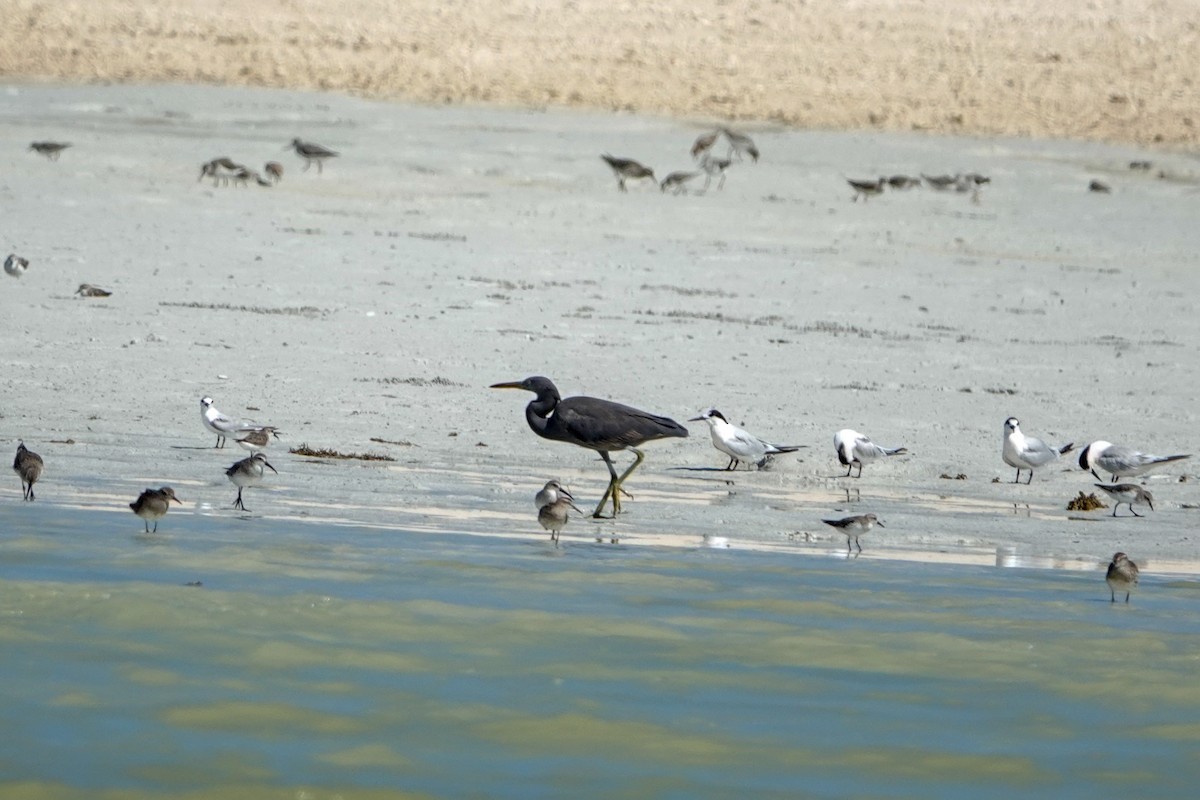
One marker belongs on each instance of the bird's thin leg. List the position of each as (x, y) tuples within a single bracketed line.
[(849, 469), (1112, 596), (637, 462), (307, 164), (1115, 507), (860, 466), (1134, 512), (1127, 597), (1030, 478), (848, 550), (729, 466), (857, 544), (612, 484), (146, 523), (238, 502), (155, 526), (1018, 478)]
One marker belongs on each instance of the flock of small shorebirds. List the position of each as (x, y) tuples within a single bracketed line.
[(554, 500)]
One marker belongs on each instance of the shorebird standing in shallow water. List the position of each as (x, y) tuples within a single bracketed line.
[(153, 504), (88, 290), (627, 169), (740, 445), (28, 466), (1129, 494), (553, 516), (1026, 452), (1119, 461), (312, 152), (1122, 576), (51, 150), (15, 265), (246, 473), (853, 527), (600, 425), (853, 448)]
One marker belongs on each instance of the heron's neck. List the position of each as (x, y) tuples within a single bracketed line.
[(538, 412)]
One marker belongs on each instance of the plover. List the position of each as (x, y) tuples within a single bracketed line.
[(853, 448), (274, 171), (312, 153), (740, 445), (15, 265), (740, 143), (627, 169), (853, 527), (248, 472), (1026, 452), (88, 290), (714, 166), (704, 143), (1122, 576), (153, 505), (553, 516), (1119, 461), (51, 150), (216, 422), (28, 466), (866, 189), (677, 181), (259, 439), (1128, 493)]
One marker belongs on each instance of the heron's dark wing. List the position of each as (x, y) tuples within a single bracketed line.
[(605, 425)]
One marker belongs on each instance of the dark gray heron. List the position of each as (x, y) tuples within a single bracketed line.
[(600, 425)]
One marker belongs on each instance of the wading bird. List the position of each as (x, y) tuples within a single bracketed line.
[(600, 425)]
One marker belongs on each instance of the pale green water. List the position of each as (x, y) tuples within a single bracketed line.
[(322, 662)]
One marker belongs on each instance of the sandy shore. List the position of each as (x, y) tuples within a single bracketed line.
[(1088, 69), (367, 309)]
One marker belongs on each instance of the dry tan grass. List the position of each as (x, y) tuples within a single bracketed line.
[(1118, 70)]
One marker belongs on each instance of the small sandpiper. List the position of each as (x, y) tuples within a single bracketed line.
[(941, 183), (553, 516), (627, 169), (274, 171), (1129, 494), (903, 182), (704, 143), (867, 189), (551, 493), (740, 143), (259, 439), (28, 466), (15, 265), (51, 150), (1122, 576), (153, 504), (248, 472), (88, 290), (312, 152), (221, 170), (677, 182), (855, 526)]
